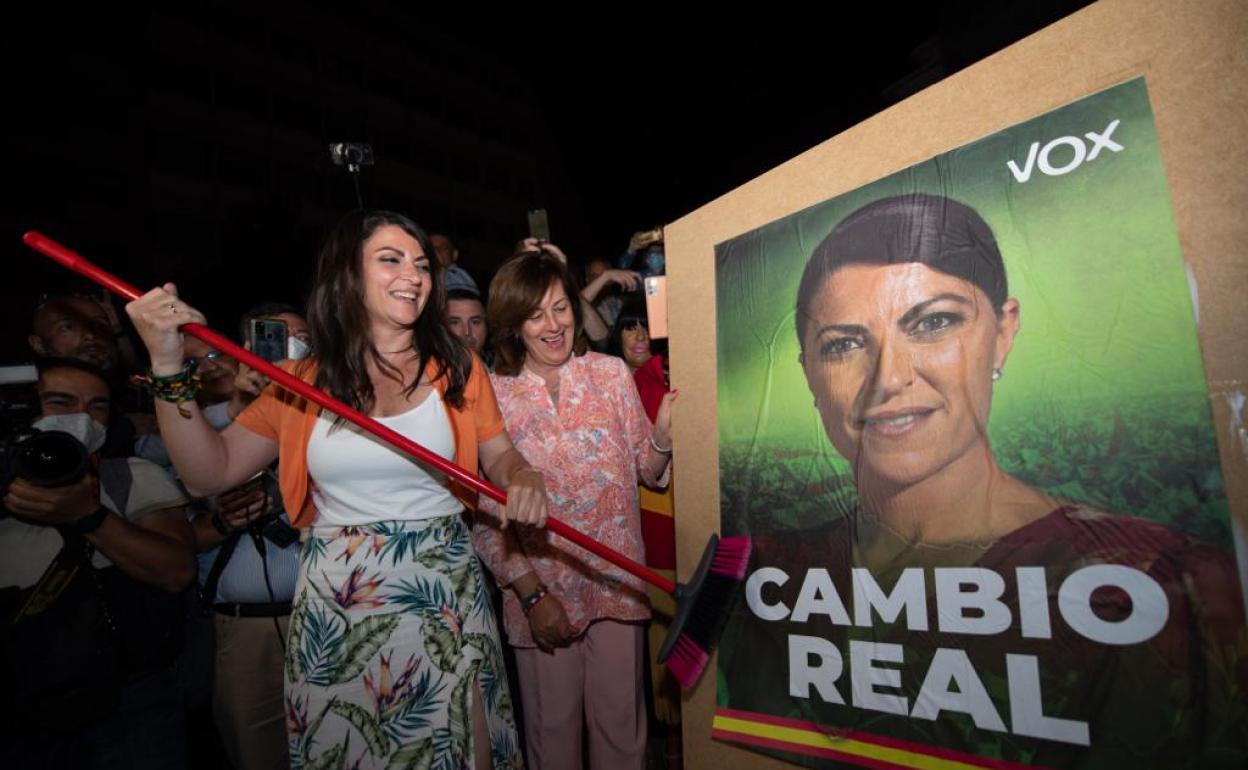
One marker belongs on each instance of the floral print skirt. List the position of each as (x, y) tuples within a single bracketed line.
[(390, 630)]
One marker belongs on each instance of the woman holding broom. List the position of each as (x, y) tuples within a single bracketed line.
[(576, 623), (393, 655)]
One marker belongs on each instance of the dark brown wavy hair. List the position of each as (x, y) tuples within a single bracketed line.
[(515, 292), (339, 322)]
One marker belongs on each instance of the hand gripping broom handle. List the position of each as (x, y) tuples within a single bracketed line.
[(79, 264)]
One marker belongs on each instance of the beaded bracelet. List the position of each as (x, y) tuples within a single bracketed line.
[(529, 602), (175, 388)]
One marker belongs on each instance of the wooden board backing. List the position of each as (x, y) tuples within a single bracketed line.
[(1194, 56)]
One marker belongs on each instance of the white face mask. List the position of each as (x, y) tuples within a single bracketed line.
[(297, 349), (80, 425)]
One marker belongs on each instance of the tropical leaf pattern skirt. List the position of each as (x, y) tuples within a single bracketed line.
[(390, 629)]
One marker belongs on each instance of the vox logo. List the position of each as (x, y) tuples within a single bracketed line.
[(1070, 159)]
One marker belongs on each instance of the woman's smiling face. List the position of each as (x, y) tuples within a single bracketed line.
[(899, 359), (396, 276), (635, 344), (550, 331)]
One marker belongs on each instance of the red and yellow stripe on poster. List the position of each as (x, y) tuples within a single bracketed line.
[(849, 746)]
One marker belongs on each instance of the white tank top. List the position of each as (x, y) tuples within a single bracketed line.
[(358, 479)]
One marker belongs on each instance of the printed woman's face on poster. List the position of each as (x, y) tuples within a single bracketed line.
[(899, 359)]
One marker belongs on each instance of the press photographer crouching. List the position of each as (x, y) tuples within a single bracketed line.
[(94, 555)]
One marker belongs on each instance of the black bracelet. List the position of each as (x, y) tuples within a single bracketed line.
[(92, 521)]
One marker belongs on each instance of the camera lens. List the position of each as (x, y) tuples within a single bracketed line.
[(51, 459)]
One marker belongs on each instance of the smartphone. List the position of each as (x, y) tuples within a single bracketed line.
[(656, 306), (539, 227), (267, 338)]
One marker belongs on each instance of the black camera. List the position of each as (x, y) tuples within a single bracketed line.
[(351, 154), (270, 524), (274, 529), (50, 458)]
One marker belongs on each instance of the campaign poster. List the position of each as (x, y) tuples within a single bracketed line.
[(963, 416)]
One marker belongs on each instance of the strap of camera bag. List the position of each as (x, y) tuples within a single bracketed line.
[(208, 594)]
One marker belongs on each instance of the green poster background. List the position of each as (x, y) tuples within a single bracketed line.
[(1104, 400)]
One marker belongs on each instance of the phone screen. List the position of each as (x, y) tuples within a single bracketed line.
[(656, 306), (539, 226), (267, 337)]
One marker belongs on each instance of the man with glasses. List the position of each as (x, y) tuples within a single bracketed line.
[(216, 372)]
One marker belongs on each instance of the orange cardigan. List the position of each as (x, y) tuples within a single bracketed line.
[(288, 419)]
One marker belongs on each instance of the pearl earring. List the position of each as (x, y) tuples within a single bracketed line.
[(996, 374)]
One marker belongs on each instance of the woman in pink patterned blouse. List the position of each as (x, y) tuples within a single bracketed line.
[(576, 622)]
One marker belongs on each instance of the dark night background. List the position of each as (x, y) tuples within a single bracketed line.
[(188, 142)]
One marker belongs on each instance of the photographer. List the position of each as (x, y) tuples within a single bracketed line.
[(249, 561), (85, 327), (94, 553)]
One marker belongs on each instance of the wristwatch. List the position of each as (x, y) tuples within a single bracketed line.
[(92, 521)]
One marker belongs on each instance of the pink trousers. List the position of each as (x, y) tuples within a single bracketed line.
[(598, 679)]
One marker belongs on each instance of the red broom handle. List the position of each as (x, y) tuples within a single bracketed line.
[(81, 265)]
